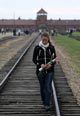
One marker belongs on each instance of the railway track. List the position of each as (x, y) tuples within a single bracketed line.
[(67, 102), (20, 96), (7, 38)]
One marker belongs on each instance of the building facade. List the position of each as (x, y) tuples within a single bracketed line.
[(41, 22)]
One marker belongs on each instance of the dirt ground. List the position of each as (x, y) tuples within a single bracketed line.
[(71, 72), (10, 48)]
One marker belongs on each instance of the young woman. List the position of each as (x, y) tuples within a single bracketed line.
[(41, 56)]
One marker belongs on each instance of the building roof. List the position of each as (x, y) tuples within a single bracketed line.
[(9, 22), (41, 11), (63, 22), (18, 22)]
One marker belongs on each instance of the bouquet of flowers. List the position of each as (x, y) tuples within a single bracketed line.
[(51, 61)]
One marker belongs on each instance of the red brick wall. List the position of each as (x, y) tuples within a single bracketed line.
[(41, 19)]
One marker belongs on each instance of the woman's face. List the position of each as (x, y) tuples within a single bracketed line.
[(44, 40)]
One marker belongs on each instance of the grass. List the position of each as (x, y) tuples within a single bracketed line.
[(76, 33), (71, 47)]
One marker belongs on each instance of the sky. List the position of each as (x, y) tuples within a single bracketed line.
[(27, 9)]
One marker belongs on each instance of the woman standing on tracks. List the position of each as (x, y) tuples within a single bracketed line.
[(41, 56)]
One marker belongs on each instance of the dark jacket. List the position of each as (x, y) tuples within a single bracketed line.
[(41, 56)]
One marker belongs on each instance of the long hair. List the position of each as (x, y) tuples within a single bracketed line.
[(46, 35)]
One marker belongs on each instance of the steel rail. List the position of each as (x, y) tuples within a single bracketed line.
[(3, 82), (55, 100)]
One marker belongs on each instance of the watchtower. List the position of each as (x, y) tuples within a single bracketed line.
[(41, 18)]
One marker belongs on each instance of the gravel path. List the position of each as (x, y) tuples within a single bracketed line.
[(71, 72), (10, 48), (6, 35)]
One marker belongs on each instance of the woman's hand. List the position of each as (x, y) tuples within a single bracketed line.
[(43, 66), (48, 66)]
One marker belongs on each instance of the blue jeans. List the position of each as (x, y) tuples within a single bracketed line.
[(46, 88)]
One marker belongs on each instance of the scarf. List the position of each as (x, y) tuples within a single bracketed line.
[(42, 45)]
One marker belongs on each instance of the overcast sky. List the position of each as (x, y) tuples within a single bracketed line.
[(26, 9)]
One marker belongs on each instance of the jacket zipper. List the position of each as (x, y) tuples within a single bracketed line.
[(45, 55)]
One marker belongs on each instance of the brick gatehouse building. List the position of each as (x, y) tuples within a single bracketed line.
[(41, 21)]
